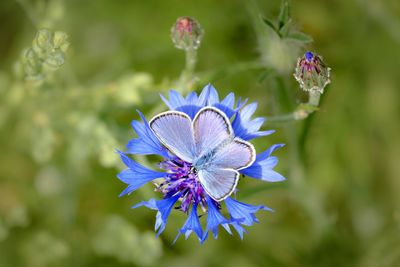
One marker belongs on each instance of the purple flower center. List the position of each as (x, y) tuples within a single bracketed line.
[(182, 178)]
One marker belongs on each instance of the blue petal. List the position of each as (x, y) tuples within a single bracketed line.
[(241, 103), (208, 97), (239, 229), (166, 102), (204, 95), (245, 127), (254, 125), (243, 212), (229, 101), (164, 207), (257, 134), (227, 105), (159, 225), (248, 111), (194, 104), (190, 110), (176, 99), (263, 165), (268, 152), (259, 172), (146, 143), (136, 175), (191, 105), (152, 204), (228, 112), (214, 219), (192, 224), (213, 95), (191, 98), (134, 185)]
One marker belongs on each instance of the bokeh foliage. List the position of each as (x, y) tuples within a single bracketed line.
[(340, 205)]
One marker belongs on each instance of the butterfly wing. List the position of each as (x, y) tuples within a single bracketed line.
[(236, 154), (220, 175), (211, 128), (218, 183), (174, 130), (220, 155)]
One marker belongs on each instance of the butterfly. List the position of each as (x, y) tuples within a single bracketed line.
[(208, 143)]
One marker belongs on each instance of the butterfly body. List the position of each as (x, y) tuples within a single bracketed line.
[(203, 161), (208, 143)]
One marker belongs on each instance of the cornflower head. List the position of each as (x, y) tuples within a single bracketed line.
[(312, 73), (204, 143), (187, 33)]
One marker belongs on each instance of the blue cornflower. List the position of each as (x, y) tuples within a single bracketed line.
[(204, 145)]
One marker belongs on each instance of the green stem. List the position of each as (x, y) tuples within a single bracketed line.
[(301, 112), (191, 60), (282, 118), (314, 98), (187, 76)]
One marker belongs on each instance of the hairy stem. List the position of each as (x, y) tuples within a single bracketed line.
[(301, 112), (187, 75)]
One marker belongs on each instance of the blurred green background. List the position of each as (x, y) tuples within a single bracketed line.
[(59, 205)]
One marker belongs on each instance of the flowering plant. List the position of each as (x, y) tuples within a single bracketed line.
[(204, 143)]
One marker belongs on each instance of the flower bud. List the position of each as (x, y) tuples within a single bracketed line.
[(186, 33), (42, 40), (312, 73), (46, 55), (60, 41), (55, 60)]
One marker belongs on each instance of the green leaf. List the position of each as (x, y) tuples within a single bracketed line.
[(284, 14), (271, 24), (300, 37), (284, 31)]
